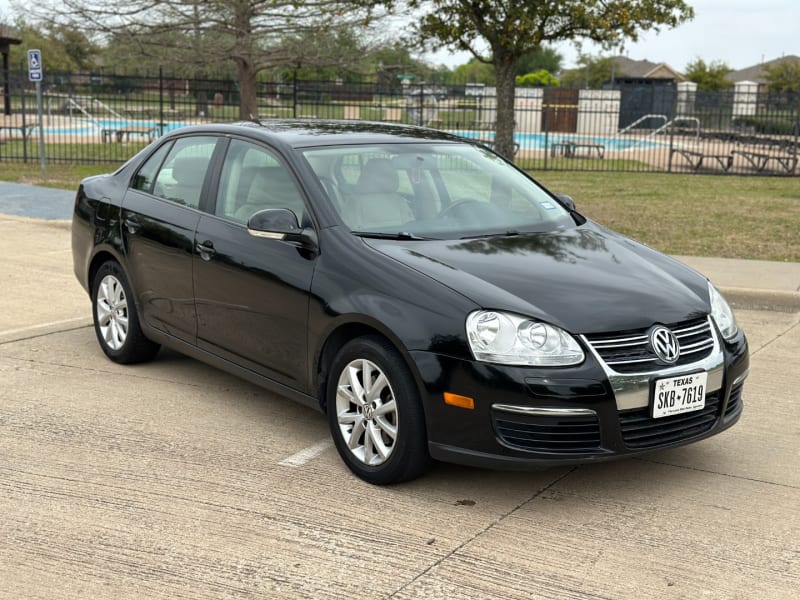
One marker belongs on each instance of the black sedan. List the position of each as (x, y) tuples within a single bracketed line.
[(429, 297)]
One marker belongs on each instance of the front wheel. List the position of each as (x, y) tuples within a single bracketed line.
[(375, 414), (116, 321)]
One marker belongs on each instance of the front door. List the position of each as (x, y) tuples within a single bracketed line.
[(252, 293)]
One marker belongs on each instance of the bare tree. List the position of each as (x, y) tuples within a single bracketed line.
[(248, 33)]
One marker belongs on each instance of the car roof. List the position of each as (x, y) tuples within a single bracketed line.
[(299, 133)]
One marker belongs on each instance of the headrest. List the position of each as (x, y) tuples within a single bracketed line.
[(378, 176), (190, 170)]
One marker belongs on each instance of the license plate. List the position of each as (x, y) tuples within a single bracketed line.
[(676, 395)]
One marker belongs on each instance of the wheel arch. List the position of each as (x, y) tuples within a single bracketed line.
[(338, 337), (103, 255)]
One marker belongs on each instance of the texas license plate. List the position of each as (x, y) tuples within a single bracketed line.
[(676, 395)]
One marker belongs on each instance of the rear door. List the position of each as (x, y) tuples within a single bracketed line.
[(160, 213)]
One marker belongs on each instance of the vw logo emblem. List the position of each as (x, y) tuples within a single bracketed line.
[(665, 344)]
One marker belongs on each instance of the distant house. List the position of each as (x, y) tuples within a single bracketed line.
[(627, 69), (758, 73)]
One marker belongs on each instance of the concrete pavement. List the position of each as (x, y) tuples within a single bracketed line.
[(174, 480)]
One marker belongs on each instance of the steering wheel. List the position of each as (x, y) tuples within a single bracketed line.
[(458, 205)]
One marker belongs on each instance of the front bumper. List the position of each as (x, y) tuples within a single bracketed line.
[(528, 417)]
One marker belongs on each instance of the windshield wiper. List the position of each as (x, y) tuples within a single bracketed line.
[(508, 233), (400, 235)]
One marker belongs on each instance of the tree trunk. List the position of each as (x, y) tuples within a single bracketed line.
[(505, 67), (246, 77)]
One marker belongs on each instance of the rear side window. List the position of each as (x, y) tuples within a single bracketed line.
[(144, 179), (180, 178)]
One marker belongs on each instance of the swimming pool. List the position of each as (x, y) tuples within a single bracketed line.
[(541, 141), (95, 126)]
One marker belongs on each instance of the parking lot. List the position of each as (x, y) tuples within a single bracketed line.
[(175, 480)]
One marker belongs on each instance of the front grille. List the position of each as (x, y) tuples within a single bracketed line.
[(579, 434), (630, 351), (734, 401), (640, 430)]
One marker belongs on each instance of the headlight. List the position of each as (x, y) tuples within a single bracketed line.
[(722, 314), (508, 339)]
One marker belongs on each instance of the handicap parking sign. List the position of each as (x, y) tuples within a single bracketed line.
[(35, 65)]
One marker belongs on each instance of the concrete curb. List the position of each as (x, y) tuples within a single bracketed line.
[(771, 300)]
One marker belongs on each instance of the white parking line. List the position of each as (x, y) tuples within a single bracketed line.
[(298, 459), (42, 326)]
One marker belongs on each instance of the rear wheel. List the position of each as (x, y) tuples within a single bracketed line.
[(375, 414), (116, 322)]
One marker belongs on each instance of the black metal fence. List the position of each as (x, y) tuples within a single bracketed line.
[(644, 125)]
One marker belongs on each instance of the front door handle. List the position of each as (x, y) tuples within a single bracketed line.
[(206, 250)]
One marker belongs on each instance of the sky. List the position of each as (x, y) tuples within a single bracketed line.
[(740, 33)]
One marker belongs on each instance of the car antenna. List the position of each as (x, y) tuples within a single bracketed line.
[(256, 120)]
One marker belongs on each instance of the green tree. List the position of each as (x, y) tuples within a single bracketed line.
[(474, 71), (64, 46), (540, 78), (712, 77), (545, 58), (592, 72), (783, 76), (512, 29)]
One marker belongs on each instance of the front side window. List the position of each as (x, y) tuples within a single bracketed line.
[(436, 190), (253, 179), (181, 177)]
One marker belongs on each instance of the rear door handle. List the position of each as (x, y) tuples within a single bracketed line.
[(132, 225), (206, 250)]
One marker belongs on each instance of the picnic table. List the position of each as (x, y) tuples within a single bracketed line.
[(695, 159), (124, 133), (760, 160), (569, 149)]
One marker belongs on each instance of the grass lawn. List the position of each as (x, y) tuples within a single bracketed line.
[(700, 215)]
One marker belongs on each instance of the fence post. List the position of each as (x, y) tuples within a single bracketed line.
[(546, 109), (160, 100), (24, 128), (294, 94), (421, 118)]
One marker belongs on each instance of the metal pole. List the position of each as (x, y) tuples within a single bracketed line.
[(24, 114), (41, 127)]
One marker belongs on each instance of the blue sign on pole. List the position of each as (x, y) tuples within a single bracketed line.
[(35, 65)]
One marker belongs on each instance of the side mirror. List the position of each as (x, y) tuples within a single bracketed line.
[(566, 201), (273, 223), (281, 224)]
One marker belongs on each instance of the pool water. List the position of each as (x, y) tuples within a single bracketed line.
[(85, 127), (541, 141)]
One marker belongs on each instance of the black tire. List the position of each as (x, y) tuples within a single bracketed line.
[(408, 457), (133, 346)]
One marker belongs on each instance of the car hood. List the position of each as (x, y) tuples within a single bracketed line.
[(587, 279)]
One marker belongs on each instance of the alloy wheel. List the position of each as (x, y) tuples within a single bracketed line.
[(112, 312), (366, 412)]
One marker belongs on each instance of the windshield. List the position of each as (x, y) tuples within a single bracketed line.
[(435, 190)]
